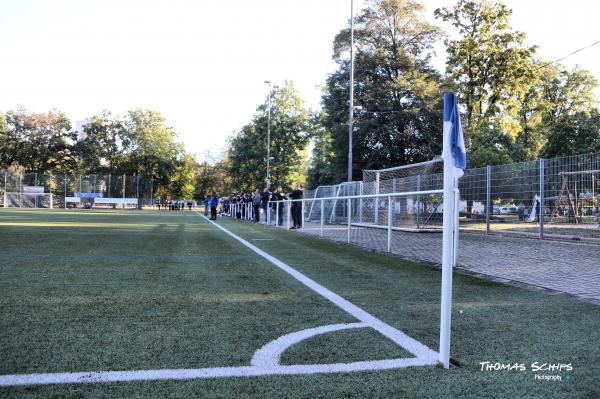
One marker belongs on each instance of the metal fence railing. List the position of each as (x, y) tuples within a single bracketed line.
[(342, 218), (546, 198), (56, 190)]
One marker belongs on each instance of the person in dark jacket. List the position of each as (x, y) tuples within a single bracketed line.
[(278, 205), (296, 208), (256, 199), (206, 203), (264, 203), (214, 201)]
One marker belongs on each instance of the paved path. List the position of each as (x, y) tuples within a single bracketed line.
[(571, 268)]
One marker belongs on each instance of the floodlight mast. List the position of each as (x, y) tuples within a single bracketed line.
[(268, 179), (351, 102)]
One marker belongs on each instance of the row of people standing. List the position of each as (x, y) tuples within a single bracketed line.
[(270, 200)]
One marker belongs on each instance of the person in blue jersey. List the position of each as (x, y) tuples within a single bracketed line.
[(214, 201)]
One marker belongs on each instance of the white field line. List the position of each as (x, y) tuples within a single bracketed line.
[(401, 339), (270, 354), (215, 372)]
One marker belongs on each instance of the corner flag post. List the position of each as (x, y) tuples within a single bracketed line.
[(454, 156)]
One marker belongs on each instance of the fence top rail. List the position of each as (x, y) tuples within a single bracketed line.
[(399, 194), (412, 165), (580, 172)]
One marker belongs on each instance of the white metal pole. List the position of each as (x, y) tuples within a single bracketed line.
[(349, 218), (268, 212), (447, 250), (287, 217), (268, 179), (456, 226), (277, 214), (351, 103), (302, 216), (322, 215), (360, 203), (376, 199), (389, 225)]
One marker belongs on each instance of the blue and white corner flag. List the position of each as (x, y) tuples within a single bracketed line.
[(454, 143)]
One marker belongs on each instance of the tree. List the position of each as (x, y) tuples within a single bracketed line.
[(321, 162), (99, 148), (211, 177), (574, 134), (555, 95), (290, 131), (491, 69), (149, 147), (39, 141), (395, 84), (5, 145), (182, 183)]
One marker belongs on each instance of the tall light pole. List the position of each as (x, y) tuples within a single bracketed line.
[(351, 102), (268, 179)]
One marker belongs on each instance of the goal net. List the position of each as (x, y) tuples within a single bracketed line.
[(421, 211), (28, 200)]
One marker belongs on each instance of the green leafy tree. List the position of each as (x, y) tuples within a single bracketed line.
[(99, 148), (182, 183), (149, 147), (492, 70), (395, 84), (212, 177), (574, 134), (39, 141), (5, 145), (290, 132), (321, 169)]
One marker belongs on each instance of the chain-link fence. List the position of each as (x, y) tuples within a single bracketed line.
[(546, 198), (341, 218), (35, 190)]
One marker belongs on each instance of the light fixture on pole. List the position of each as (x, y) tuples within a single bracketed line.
[(268, 179), (351, 102)]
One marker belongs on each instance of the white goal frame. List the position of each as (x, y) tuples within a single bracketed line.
[(21, 195)]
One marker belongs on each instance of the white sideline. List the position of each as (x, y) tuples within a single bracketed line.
[(215, 372), (408, 343)]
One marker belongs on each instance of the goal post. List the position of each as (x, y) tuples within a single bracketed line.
[(28, 200)]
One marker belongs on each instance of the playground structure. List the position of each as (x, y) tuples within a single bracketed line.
[(577, 198)]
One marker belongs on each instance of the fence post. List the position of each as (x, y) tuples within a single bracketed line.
[(389, 225), (541, 218), (349, 218), (488, 201), (151, 190), (322, 215), (277, 214), (360, 202), (4, 203), (376, 198), (302, 216), (456, 225), (418, 201), (287, 214)]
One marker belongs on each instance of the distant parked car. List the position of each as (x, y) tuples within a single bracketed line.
[(505, 210)]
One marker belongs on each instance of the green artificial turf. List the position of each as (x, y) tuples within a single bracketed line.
[(124, 290)]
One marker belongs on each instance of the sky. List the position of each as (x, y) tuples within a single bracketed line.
[(202, 64)]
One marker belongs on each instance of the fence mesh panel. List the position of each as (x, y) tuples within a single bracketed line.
[(72, 185)]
